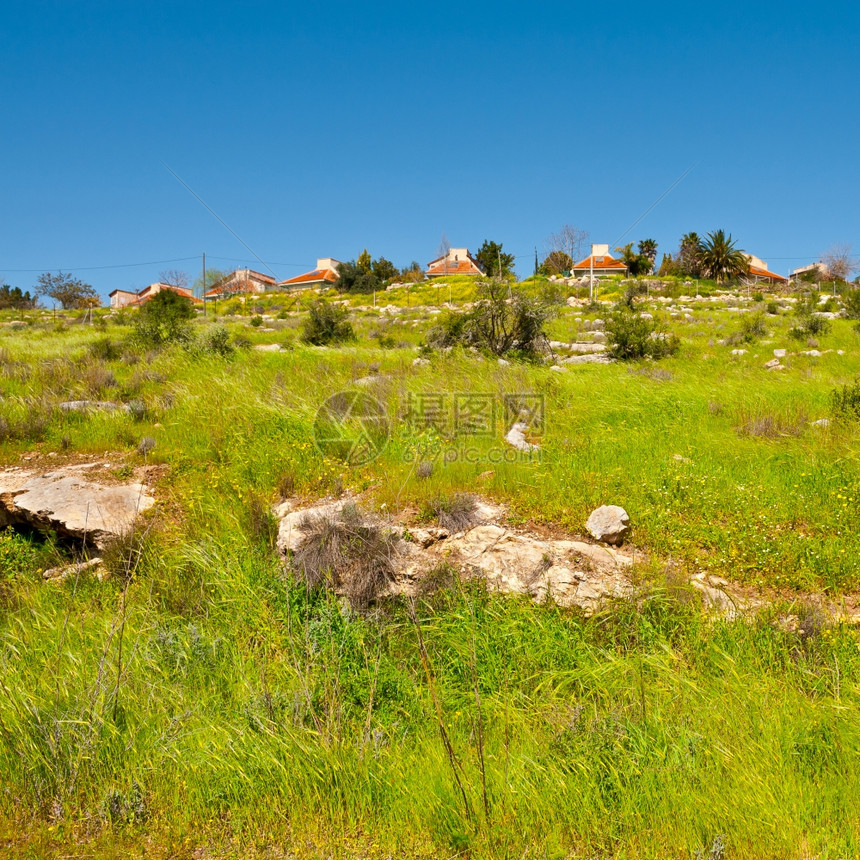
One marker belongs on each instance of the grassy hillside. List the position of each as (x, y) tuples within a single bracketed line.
[(209, 706)]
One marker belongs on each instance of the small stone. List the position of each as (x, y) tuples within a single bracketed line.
[(558, 368), (420, 362), (780, 353), (821, 422), (773, 364), (739, 352), (608, 523)]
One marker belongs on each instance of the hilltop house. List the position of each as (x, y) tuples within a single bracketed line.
[(813, 272), (601, 262), (322, 276), (125, 298), (458, 261), (759, 273), (240, 281)]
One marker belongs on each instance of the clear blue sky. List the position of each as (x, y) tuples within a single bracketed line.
[(319, 129)]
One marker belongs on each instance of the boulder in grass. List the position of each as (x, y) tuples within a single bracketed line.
[(609, 524)]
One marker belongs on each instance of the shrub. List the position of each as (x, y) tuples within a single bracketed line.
[(773, 308), (503, 321), (752, 328), (256, 321), (758, 297), (851, 300), (845, 401), (164, 319), (105, 349), (327, 324), (633, 338), (17, 556), (217, 341)]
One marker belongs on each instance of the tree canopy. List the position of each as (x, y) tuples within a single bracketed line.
[(637, 264), (720, 259), (365, 274), (14, 297), (68, 291), (495, 263), (164, 319)]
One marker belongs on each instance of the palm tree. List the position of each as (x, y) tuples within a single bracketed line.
[(720, 259), (648, 248)]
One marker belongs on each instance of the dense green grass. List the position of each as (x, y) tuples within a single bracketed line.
[(209, 703)]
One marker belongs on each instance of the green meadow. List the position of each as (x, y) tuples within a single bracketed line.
[(202, 702)]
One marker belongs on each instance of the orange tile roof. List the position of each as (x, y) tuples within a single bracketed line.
[(755, 271), (457, 267), (146, 295), (317, 275), (607, 262)]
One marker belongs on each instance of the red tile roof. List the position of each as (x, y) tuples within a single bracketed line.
[(147, 293), (605, 263), (455, 267), (316, 276), (755, 271)]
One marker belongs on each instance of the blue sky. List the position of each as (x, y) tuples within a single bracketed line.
[(323, 128)]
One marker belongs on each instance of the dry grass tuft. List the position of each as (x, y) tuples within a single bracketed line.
[(348, 553), (456, 513)]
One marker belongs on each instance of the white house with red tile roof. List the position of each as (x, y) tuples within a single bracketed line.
[(758, 271), (458, 261), (324, 274), (125, 298), (601, 262), (241, 281)]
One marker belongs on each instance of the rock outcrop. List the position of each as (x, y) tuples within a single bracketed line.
[(66, 503)]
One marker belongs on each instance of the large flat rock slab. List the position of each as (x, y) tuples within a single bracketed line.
[(66, 502)]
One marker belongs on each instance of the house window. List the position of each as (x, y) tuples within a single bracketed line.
[(598, 259)]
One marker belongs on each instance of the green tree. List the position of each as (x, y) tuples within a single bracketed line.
[(494, 262), (720, 259), (648, 248), (353, 279), (68, 291), (213, 276), (14, 297), (556, 262), (689, 256), (384, 269), (413, 273), (164, 319), (637, 264), (364, 262)]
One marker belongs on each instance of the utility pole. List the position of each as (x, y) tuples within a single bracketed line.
[(591, 276), (203, 288)]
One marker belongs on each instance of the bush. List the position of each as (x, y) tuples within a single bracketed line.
[(256, 321), (503, 321), (17, 556), (633, 338), (773, 308), (164, 319), (851, 300), (217, 341), (105, 349), (326, 324), (752, 328), (845, 401)]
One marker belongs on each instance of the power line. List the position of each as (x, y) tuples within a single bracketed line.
[(219, 219), (94, 268)]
